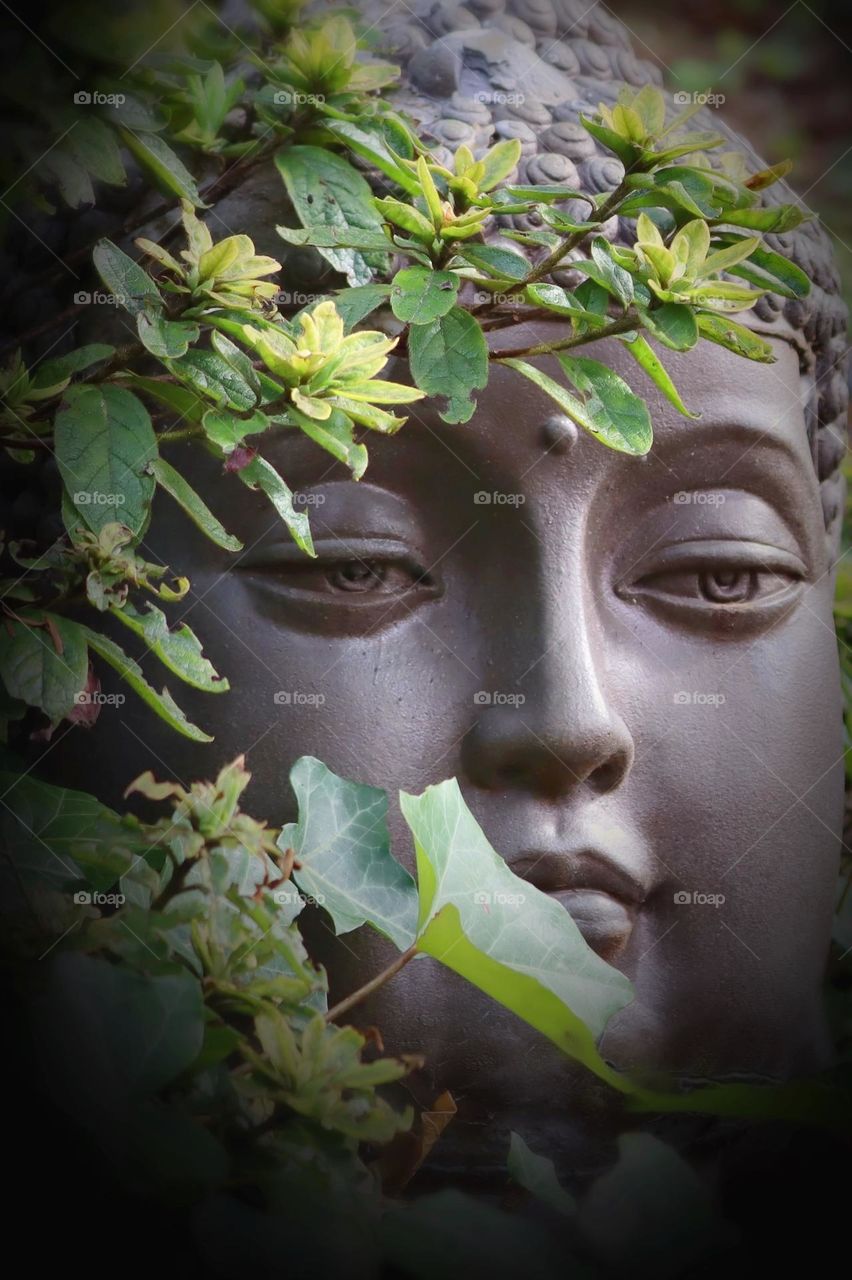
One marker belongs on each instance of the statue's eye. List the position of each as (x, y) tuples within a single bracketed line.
[(729, 586), (376, 576), (716, 579)]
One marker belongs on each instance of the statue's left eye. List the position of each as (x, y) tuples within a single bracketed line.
[(715, 578), (385, 576)]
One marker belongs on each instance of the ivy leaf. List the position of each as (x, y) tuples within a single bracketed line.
[(736, 337), (104, 446), (166, 168), (673, 324), (179, 650), (259, 474), (194, 506), (210, 374), (130, 671), (326, 190), (537, 1175), (449, 359), (647, 359), (127, 282), (419, 296), (36, 672), (629, 432), (166, 339), (63, 836), (342, 843), (335, 435), (514, 942)]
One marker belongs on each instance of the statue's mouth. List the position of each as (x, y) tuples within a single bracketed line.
[(601, 895)]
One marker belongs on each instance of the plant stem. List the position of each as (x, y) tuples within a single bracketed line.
[(547, 348), (373, 985)]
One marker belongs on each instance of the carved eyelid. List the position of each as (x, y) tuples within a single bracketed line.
[(707, 553)]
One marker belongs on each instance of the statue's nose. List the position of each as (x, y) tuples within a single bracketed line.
[(556, 731)]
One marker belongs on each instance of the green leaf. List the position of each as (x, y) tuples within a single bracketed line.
[(354, 305), (227, 431), (327, 191), (770, 270), (449, 359), (167, 170), (600, 426), (34, 671), (179, 650), (509, 939), (673, 324), (367, 140), (785, 217), (194, 506), (125, 279), (499, 161), (648, 360), (130, 671), (342, 844), (337, 238), (94, 145), (259, 474), (554, 298), (419, 296), (104, 446), (500, 264), (186, 403), (627, 152), (166, 339), (335, 435), (213, 376), (61, 836), (537, 1175), (620, 417), (408, 218), (615, 278), (49, 372), (735, 337)]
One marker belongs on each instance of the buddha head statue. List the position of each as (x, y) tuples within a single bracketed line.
[(628, 663)]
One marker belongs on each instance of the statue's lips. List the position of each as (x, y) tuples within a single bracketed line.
[(601, 895)]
